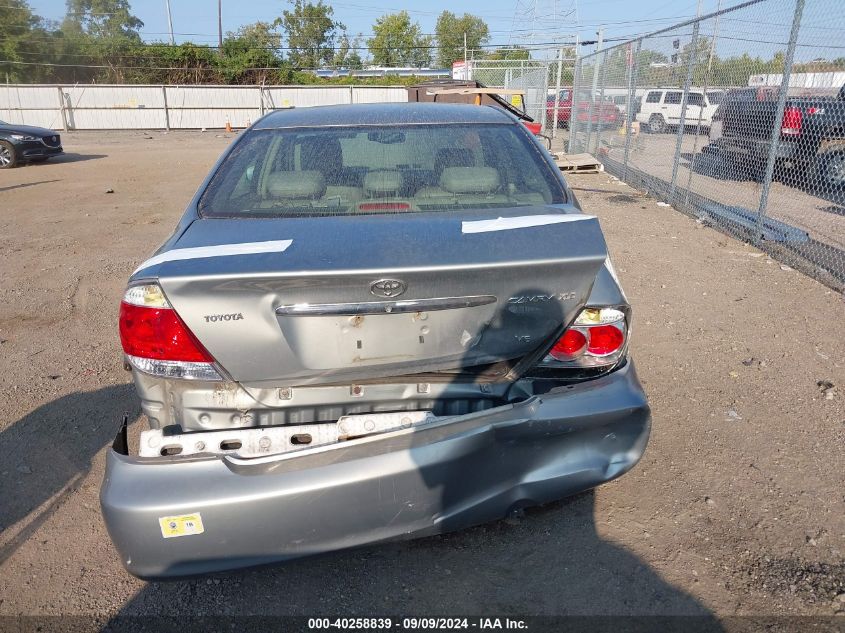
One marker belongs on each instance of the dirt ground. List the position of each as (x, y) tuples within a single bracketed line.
[(738, 506)]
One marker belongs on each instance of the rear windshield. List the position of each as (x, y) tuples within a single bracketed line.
[(387, 169)]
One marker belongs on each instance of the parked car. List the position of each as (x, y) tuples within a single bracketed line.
[(600, 113), (564, 109), (661, 109), (372, 322), (604, 113), (811, 142), (27, 144)]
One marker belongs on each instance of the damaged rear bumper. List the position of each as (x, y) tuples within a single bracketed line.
[(424, 480)]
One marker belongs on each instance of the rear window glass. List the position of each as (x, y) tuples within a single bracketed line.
[(387, 169)]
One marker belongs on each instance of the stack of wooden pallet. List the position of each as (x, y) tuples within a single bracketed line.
[(578, 163)]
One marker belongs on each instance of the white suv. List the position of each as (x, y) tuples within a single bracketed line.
[(662, 108)]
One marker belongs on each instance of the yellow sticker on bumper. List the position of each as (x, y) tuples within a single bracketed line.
[(182, 525)]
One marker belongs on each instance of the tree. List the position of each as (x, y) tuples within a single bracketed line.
[(399, 42), (342, 51), (513, 52), (102, 18), (20, 32), (311, 32), (347, 55), (450, 30), (353, 59), (254, 46)]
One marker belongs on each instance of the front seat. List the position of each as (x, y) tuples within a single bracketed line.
[(327, 157)]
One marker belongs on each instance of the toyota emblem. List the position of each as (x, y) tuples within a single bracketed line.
[(388, 287)]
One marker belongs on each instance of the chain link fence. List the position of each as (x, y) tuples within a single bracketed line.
[(737, 119), (529, 75)]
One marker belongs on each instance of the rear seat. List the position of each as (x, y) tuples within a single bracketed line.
[(382, 183), (465, 185)]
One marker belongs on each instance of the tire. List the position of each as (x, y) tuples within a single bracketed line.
[(8, 156), (832, 171), (656, 124)]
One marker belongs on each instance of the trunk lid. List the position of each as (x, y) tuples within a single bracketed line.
[(357, 298)]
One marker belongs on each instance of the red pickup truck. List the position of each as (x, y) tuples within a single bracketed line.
[(604, 113)]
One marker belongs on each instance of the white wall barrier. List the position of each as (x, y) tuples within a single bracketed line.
[(110, 107)]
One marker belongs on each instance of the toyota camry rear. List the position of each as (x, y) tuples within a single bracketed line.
[(372, 322)]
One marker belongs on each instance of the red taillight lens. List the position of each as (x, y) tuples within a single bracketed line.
[(605, 339), (569, 345), (158, 334), (791, 125)]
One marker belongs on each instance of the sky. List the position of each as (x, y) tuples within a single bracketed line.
[(196, 20)]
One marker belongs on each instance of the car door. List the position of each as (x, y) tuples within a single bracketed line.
[(670, 108), (650, 105)]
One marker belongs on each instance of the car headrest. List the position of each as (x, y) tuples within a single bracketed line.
[(296, 185), (323, 155), (469, 180), (382, 181), (453, 157)]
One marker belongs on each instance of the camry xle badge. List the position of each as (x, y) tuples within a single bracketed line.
[(556, 296), (388, 287)]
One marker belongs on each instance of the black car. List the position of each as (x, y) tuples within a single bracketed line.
[(27, 144)]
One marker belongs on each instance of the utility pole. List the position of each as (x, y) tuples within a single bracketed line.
[(713, 39), (599, 43), (169, 21), (466, 56), (220, 26)]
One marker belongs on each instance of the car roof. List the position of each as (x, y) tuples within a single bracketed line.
[(383, 114)]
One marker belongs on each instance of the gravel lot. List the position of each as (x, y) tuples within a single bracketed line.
[(738, 506)]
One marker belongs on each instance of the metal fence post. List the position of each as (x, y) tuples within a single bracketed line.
[(601, 101), (62, 108), (629, 110), (166, 113), (261, 99), (680, 136), (592, 98), (774, 138), (557, 92), (573, 101)]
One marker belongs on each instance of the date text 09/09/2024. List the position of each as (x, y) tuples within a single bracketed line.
[(417, 623)]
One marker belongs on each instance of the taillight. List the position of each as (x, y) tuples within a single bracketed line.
[(597, 338), (791, 125), (156, 341)]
